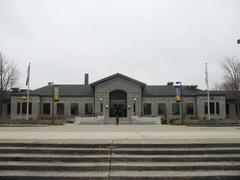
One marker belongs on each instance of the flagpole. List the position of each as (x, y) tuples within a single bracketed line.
[(28, 83), (208, 103)]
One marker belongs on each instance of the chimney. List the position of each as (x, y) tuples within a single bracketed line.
[(86, 79)]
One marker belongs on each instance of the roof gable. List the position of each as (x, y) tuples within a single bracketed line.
[(116, 76)]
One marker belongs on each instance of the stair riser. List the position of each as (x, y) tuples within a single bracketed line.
[(192, 145), (59, 159), (178, 159), (121, 168), (42, 145), (177, 178), (55, 168), (174, 168), (122, 159), (177, 145), (124, 151), (173, 152), (50, 178), (58, 151)]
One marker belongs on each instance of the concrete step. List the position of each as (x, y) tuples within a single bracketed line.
[(175, 145), (54, 166), (119, 161), (52, 175), (175, 166), (53, 150), (228, 150), (60, 145), (122, 145), (176, 158), (54, 157), (118, 158), (56, 150), (139, 166), (175, 175)]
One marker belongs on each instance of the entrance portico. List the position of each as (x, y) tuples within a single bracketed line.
[(118, 95)]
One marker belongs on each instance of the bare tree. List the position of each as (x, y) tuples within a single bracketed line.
[(8, 76), (231, 68)]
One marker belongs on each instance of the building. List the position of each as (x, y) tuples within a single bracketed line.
[(120, 95)]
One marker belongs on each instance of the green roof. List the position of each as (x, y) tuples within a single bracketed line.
[(66, 90), (232, 95), (148, 91), (165, 90)]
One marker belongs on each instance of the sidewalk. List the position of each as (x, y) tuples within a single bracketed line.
[(106, 133)]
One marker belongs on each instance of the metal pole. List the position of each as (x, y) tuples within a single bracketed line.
[(28, 91), (181, 102), (1, 72), (53, 103), (209, 117)]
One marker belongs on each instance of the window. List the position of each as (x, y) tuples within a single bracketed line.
[(9, 109), (46, 108), (24, 108), (236, 108), (206, 108), (189, 108), (74, 108), (30, 108), (227, 109), (88, 109), (212, 107), (18, 108), (60, 108), (147, 109), (175, 108), (101, 107), (217, 108), (161, 109)]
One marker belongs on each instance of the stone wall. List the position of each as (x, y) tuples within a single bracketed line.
[(133, 91)]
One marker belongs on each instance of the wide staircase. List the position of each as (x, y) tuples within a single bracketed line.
[(59, 161)]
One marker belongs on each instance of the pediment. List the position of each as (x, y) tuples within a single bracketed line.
[(117, 76)]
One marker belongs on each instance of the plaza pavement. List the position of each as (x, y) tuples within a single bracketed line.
[(122, 133)]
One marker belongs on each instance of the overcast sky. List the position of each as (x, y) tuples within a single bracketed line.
[(151, 41)]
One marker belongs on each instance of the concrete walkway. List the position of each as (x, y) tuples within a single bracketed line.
[(132, 133)]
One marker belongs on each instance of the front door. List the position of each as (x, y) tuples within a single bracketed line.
[(118, 104)]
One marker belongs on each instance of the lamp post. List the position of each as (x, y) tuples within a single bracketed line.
[(101, 105), (52, 84), (181, 101), (134, 105), (106, 107), (129, 108)]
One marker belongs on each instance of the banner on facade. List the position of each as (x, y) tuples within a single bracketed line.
[(56, 93), (178, 94)]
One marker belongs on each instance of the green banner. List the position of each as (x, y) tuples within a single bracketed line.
[(56, 93)]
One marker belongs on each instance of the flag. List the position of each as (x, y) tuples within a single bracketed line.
[(56, 93), (178, 94), (28, 74)]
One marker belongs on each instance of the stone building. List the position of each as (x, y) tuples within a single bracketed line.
[(119, 95)]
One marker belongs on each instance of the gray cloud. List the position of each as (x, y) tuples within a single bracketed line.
[(152, 41)]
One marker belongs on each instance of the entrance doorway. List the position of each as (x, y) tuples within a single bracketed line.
[(118, 103)]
